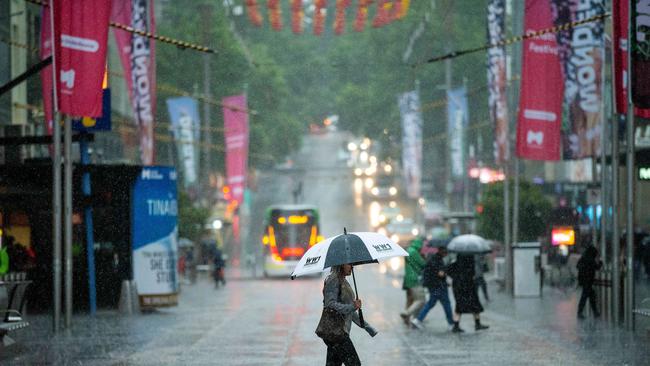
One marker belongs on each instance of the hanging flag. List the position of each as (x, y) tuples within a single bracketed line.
[(540, 102), (275, 14), (641, 54), (80, 42), (137, 54), (46, 73), (457, 119), (254, 13), (362, 15), (620, 21), (296, 16), (496, 75), (382, 16), (339, 20), (184, 114), (320, 12), (581, 51), (236, 135), (409, 107)]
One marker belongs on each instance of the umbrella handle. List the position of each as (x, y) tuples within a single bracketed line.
[(363, 323)]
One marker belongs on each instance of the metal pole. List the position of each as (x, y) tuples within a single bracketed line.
[(88, 219), (449, 184), (629, 165), (506, 229), (356, 292), (616, 242), (206, 11), (515, 204), (67, 211), (56, 191)]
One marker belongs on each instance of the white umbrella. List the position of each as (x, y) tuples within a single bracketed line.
[(469, 244), (353, 248)]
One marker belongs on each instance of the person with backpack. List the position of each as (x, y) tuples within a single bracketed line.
[(587, 266), (415, 296), (435, 279)]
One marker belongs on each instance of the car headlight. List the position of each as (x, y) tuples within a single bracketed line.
[(394, 238), (415, 231), (369, 183), (358, 172), (374, 191), (382, 231), (392, 191), (395, 263)]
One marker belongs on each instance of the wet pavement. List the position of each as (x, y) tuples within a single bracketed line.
[(257, 321)]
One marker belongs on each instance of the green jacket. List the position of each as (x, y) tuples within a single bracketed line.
[(414, 265)]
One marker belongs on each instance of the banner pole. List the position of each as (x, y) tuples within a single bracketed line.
[(629, 167), (67, 211)]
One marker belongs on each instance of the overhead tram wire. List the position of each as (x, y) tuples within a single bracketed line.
[(506, 42)]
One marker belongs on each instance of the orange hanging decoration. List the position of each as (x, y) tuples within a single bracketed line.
[(319, 16), (254, 13), (275, 14), (362, 15), (296, 16), (382, 17), (339, 20), (401, 8)]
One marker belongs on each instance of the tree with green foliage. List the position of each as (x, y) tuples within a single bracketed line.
[(534, 212), (191, 218)]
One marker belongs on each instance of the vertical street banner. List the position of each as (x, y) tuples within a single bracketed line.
[(409, 107), (137, 54), (155, 236), (184, 113), (620, 22), (581, 52), (641, 54), (496, 75), (540, 102), (458, 119), (235, 116), (80, 42)]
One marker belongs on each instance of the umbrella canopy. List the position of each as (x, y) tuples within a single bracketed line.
[(438, 243), (185, 242), (353, 248), (469, 244)]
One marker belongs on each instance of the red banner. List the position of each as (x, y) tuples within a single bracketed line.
[(382, 16), (81, 35), (254, 12), (497, 80), (235, 119), (46, 73), (540, 104), (362, 15), (620, 21), (121, 13), (320, 12), (339, 20)]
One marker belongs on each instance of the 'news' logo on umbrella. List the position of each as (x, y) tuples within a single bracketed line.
[(312, 261), (382, 247)]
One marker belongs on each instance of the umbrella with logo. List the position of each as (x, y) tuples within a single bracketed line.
[(350, 248), (469, 244)]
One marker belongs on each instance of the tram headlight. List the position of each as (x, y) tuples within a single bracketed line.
[(392, 191), (358, 172)]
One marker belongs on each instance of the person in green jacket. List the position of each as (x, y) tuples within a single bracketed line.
[(415, 295)]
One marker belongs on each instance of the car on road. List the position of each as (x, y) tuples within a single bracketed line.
[(402, 230), (385, 187)]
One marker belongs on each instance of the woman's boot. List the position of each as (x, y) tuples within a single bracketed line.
[(479, 326), (456, 328)]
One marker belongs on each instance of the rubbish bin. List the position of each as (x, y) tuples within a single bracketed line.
[(527, 269)]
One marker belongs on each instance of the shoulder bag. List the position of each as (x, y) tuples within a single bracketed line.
[(331, 327)]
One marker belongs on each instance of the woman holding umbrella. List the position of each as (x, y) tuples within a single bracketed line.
[(338, 295), (465, 291)]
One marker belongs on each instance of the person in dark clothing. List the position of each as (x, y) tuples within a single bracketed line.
[(587, 265), (219, 264), (465, 292), (435, 279)]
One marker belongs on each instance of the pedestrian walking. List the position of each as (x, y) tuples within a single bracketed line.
[(587, 266), (435, 279), (465, 291), (480, 268), (338, 296), (415, 296)]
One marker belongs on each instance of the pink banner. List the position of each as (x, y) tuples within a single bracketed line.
[(81, 35), (46, 73), (137, 54), (235, 119), (540, 104), (620, 21)]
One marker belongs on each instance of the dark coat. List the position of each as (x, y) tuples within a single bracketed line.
[(463, 286), (587, 267), (430, 278)]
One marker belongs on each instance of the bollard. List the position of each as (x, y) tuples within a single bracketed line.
[(126, 298), (135, 299)]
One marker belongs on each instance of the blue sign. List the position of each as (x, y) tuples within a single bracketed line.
[(102, 123), (155, 235), (184, 113)]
